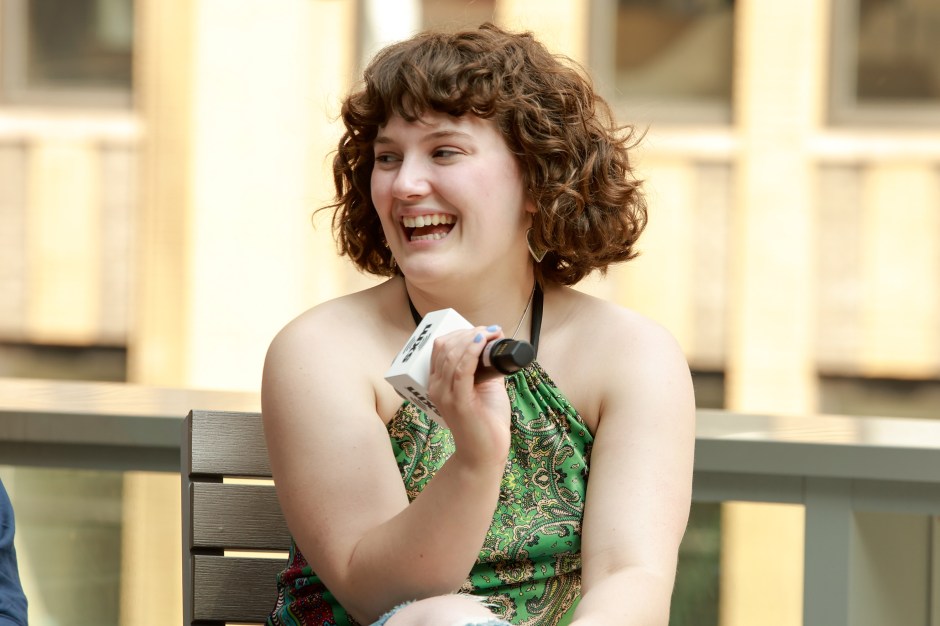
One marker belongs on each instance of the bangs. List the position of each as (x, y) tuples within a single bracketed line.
[(435, 72)]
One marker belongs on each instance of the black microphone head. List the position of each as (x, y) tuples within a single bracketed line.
[(509, 355)]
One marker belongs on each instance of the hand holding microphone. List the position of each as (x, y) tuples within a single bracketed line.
[(410, 371)]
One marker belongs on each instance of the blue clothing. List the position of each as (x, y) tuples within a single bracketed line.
[(12, 599)]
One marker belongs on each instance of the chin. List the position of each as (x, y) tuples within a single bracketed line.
[(429, 271)]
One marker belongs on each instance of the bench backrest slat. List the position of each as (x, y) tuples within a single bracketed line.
[(221, 582), (238, 517), (221, 516), (226, 443)]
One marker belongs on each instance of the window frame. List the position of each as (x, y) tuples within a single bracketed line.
[(15, 89), (844, 108), (603, 33)]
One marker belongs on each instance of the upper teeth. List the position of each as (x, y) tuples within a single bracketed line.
[(428, 220)]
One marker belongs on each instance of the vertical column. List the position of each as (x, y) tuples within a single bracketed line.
[(830, 535), (779, 91), (233, 95), (163, 95), (151, 566), (258, 92)]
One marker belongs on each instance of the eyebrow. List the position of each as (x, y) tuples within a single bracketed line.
[(438, 134)]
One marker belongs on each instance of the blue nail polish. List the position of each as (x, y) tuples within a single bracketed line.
[(492, 328), (478, 338)]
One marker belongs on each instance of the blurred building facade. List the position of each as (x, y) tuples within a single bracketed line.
[(160, 161)]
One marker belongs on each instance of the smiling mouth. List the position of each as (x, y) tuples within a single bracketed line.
[(428, 227)]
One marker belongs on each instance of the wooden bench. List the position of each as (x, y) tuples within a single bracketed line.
[(231, 520)]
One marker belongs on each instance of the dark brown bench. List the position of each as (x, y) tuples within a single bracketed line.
[(231, 520)]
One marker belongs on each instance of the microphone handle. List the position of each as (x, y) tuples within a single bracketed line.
[(507, 356)]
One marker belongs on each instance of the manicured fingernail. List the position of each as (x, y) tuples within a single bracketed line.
[(492, 328), (478, 338)]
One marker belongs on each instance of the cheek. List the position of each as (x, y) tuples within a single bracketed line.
[(375, 188), (508, 189), (379, 194), (380, 191)]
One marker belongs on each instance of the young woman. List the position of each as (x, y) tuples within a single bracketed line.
[(481, 173)]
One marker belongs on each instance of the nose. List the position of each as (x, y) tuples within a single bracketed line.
[(411, 180)]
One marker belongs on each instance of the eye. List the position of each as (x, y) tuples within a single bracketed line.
[(386, 158), (445, 153)]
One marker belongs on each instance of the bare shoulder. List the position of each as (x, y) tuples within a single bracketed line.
[(327, 324), (337, 347), (633, 336), (610, 355), (354, 323)]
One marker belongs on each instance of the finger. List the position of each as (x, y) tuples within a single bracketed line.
[(453, 349), (468, 362)]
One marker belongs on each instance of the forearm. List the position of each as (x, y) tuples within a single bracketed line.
[(427, 549), (631, 597)]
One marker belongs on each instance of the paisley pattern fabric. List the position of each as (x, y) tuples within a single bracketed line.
[(529, 568)]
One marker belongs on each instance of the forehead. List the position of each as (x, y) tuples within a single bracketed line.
[(434, 124)]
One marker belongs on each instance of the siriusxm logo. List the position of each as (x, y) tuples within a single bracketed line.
[(422, 400), (417, 343)]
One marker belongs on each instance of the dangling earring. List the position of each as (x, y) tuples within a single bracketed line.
[(537, 254)]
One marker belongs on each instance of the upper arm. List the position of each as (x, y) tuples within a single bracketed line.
[(639, 490), (333, 467)]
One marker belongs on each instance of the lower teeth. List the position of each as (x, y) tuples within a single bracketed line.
[(433, 236)]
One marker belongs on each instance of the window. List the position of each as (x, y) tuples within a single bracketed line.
[(886, 61), (668, 59), (67, 52)]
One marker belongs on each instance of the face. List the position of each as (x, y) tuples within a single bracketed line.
[(450, 197)]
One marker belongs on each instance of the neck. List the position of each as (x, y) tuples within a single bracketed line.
[(502, 304)]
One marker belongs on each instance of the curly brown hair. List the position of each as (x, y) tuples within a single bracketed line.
[(573, 158)]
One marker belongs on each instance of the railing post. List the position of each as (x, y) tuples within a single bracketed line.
[(829, 530)]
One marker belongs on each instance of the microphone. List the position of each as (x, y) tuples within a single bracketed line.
[(411, 368), (507, 356)]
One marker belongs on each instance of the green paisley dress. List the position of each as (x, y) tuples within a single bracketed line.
[(529, 568)]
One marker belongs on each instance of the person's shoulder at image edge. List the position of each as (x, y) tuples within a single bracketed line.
[(12, 599)]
